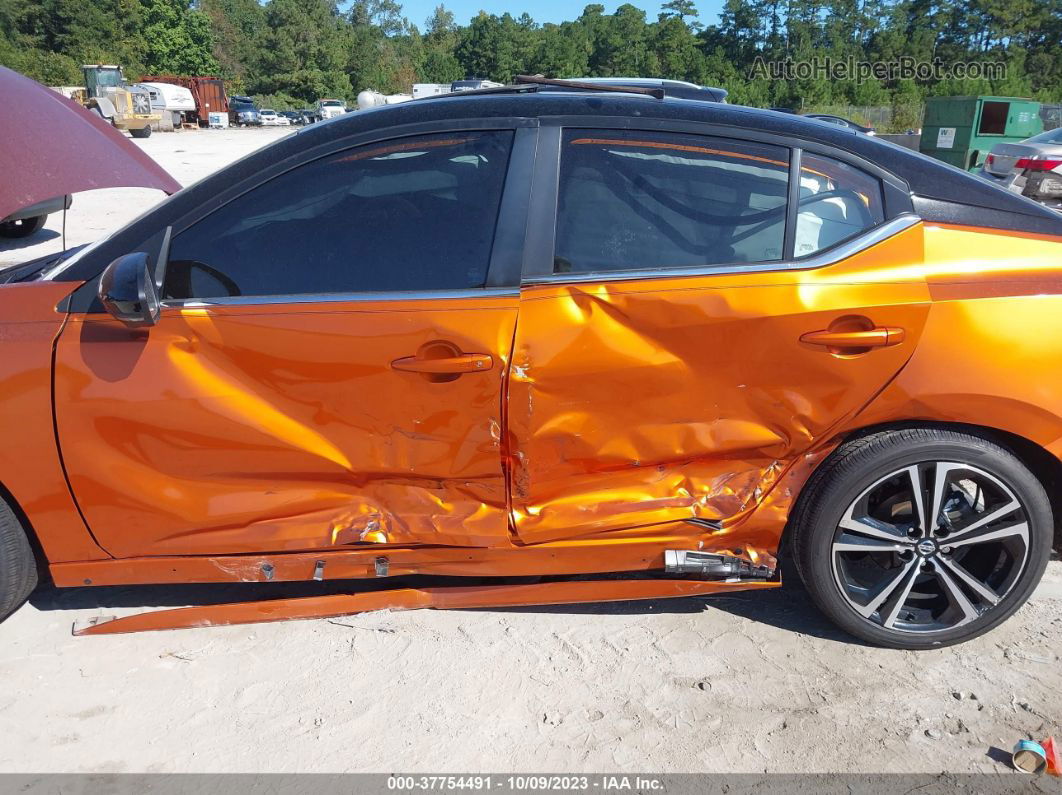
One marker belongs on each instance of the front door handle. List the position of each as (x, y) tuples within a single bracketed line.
[(880, 337), (461, 363)]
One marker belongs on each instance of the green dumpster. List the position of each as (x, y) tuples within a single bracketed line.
[(962, 130)]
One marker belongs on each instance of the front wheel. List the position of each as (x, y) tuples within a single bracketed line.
[(143, 132), (921, 538), (18, 570)]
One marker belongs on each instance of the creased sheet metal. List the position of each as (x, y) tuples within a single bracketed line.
[(446, 598), (251, 429), (633, 403)]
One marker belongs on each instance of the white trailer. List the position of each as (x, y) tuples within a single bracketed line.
[(171, 101), (421, 90)]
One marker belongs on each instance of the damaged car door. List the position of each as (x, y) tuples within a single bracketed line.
[(706, 310), (326, 368)]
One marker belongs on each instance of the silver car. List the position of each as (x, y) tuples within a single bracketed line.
[(1032, 167)]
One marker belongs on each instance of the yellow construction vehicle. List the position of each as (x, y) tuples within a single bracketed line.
[(126, 107)]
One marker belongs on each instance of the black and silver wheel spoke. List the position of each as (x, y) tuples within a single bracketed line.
[(900, 582), (956, 596), (985, 593), (930, 547), (971, 536)]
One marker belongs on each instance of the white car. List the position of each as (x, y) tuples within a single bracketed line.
[(270, 118)]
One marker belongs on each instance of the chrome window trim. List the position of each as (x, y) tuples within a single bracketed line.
[(827, 257), (338, 298)]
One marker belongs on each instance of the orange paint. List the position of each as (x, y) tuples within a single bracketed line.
[(272, 428), (662, 399), (454, 598), (30, 468), (570, 429)]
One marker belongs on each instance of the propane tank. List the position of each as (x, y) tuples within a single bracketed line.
[(370, 99), (373, 99)]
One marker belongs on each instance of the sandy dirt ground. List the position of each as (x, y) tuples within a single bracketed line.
[(754, 682)]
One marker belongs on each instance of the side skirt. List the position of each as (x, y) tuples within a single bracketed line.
[(623, 551), (441, 598)]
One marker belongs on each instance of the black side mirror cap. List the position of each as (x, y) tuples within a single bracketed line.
[(128, 292)]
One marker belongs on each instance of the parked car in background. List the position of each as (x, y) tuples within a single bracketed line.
[(293, 116), (308, 116), (270, 118), (330, 108), (840, 121), (1032, 167), (243, 113), (29, 220)]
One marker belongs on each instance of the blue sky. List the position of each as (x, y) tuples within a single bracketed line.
[(541, 10)]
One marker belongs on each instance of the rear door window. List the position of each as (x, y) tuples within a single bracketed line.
[(412, 214), (631, 200)]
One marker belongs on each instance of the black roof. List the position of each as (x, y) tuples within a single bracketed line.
[(941, 192), (927, 178)]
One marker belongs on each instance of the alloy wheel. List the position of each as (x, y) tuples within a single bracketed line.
[(930, 547)]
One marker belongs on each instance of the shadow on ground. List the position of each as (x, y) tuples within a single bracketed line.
[(788, 608), (15, 243)]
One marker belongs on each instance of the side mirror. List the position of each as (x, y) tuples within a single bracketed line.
[(128, 292)]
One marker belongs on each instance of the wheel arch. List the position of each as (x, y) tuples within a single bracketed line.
[(106, 107), (39, 556), (1040, 461)]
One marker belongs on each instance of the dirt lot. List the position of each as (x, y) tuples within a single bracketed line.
[(751, 682)]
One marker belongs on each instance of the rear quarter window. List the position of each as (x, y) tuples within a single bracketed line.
[(837, 202)]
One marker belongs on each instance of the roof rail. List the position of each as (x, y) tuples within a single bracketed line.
[(656, 93), (527, 84)]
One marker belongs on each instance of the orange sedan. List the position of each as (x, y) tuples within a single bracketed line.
[(613, 345)]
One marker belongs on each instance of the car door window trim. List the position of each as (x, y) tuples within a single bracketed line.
[(734, 133), (542, 216), (820, 259), (792, 203), (338, 298), (83, 300)]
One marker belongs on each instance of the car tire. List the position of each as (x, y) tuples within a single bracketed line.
[(143, 132), (18, 568), (23, 227), (927, 571)]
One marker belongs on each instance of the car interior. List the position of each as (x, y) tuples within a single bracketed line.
[(396, 218)]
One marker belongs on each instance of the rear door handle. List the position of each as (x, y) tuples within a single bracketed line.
[(880, 337), (461, 363)]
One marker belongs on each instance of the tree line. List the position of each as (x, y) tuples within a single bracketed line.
[(291, 52)]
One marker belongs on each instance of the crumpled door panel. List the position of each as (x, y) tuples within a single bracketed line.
[(686, 398), (272, 428)]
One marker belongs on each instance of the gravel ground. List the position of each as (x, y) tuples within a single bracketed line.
[(753, 682)]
